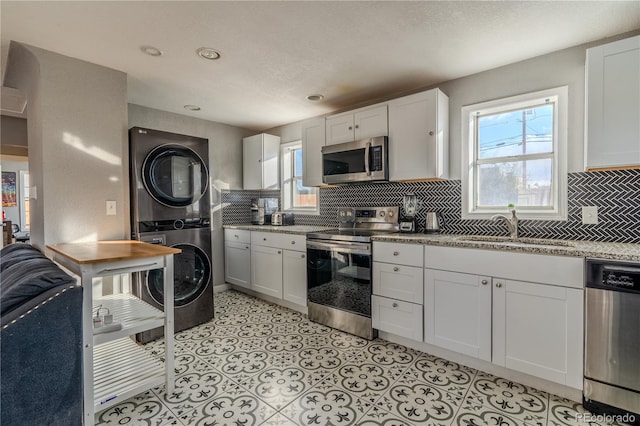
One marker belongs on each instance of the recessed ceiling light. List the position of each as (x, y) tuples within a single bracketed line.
[(192, 107), (151, 51), (315, 98), (208, 53)]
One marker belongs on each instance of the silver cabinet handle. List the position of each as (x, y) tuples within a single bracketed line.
[(350, 128), (485, 282), (499, 285), (357, 126), (431, 133), (293, 242), (264, 239), (247, 247), (302, 256), (396, 269), (395, 253), (279, 252), (395, 305), (236, 235)]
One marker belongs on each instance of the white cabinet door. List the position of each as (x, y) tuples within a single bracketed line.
[(418, 136), (537, 329), (260, 162), (339, 129), (397, 317), (266, 270), (313, 139), (370, 123), (237, 256), (613, 104), (294, 276), (457, 312)]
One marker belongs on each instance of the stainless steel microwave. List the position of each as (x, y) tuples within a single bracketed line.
[(358, 161)]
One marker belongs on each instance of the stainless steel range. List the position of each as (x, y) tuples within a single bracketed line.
[(339, 268)]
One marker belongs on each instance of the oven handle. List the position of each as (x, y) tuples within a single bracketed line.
[(355, 248)]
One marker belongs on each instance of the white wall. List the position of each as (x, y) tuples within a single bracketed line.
[(225, 161), (77, 134)]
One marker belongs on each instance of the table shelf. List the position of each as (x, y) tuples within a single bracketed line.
[(135, 316)]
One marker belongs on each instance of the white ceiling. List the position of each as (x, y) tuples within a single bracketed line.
[(275, 53)]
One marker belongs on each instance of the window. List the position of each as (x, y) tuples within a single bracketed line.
[(296, 197), (515, 152)]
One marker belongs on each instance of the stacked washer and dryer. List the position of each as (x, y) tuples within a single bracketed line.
[(170, 205)]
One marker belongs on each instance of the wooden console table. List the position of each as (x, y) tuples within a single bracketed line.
[(115, 367)]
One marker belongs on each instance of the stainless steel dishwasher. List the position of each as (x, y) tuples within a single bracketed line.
[(612, 338)]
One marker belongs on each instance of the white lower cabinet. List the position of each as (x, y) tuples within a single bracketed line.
[(266, 270), (237, 257), (458, 312), (397, 317), (294, 276)]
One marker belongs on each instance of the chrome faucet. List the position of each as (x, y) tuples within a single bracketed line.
[(512, 224)]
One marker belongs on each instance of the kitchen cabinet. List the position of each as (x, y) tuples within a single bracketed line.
[(294, 276), (358, 124), (397, 289), (613, 104), (313, 139), (261, 162), (266, 270), (526, 308), (418, 136), (237, 255)]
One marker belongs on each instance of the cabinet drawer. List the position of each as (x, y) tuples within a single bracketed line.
[(398, 253), (283, 241), (237, 235), (398, 282), (400, 318)]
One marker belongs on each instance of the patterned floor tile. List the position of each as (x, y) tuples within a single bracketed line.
[(481, 416), (277, 344), (143, 409), (420, 403), (452, 377), (565, 412), (242, 364), (365, 380), (216, 347), (279, 386), (376, 416), (517, 401), (393, 357), (318, 361), (193, 389), (279, 420), (307, 327), (235, 407), (326, 406)]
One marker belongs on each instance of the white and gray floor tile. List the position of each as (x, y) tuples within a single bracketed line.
[(257, 363)]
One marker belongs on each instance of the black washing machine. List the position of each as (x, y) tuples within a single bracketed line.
[(193, 278), (169, 176)]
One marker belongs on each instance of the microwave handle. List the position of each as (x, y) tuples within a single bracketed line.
[(366, 159)]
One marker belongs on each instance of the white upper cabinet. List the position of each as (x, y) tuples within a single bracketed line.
[(359, 124), (419, 136), (260, 162), (613, 104), (313, 132)]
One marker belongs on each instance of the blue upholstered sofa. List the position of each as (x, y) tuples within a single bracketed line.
[(40, 340)]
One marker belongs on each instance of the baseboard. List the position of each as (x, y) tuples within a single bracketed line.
[(271, 299)]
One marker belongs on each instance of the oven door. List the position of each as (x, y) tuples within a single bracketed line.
[(339, 275)]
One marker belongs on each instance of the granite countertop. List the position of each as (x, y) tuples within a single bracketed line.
[(614, 251), (287, 229)]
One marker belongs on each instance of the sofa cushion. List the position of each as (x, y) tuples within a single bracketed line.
[(28, 278), (14, 253)]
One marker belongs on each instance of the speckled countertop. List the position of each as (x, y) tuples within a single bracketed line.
[(287, 229), (617, 251), (614, 251)]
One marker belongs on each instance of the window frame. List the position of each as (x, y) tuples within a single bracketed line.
[(471, 162), (285, 181)]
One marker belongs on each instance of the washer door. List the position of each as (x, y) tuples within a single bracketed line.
[(174, 175), (191, 274)]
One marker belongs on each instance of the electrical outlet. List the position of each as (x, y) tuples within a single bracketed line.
[(589, 215), (111, 208)]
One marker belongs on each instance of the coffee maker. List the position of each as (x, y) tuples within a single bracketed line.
[(410, 205), (262, 209)]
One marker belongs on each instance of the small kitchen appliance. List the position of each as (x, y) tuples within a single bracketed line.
[(433, 222), (410, 205), (364, 160), (262, 209), (282, 219)]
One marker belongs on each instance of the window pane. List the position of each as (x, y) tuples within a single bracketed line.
[(523, 183), (297, 161), (304, 197), (519, 132)]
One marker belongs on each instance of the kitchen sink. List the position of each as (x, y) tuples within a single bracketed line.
[(520, 242)]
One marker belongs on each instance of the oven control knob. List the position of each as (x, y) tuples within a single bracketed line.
[(342, 213), (382, 214), (390, 214)]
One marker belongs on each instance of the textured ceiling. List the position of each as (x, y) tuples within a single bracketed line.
[(274, 54)]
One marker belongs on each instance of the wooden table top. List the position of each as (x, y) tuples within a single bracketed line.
[(109, 251)]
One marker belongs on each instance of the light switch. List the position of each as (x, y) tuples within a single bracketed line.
[(589, 215), (111, 208)]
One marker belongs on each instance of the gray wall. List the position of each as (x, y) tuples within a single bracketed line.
[(225, 161), (77, 136), (13, 131)]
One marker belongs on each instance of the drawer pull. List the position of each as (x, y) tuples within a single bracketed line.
[(394, 304), (396, 269), (264, 239), (485, 282), (293, 242), (279, 252), (247, 247), (302, 256), (395, 253), (499, 285), (236, 235)]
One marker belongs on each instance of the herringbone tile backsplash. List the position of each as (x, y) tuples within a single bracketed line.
[(615, 193)]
